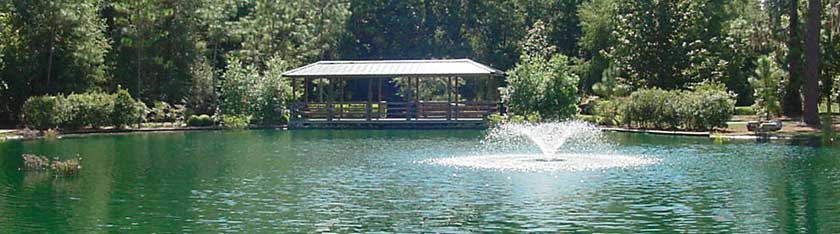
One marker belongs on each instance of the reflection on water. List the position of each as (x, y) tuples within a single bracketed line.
[(347, 181)]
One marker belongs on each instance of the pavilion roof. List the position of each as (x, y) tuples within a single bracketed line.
[(395, 68)]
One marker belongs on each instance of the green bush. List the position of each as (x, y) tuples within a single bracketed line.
[(42, 112), (199, 121), (235, 121), (542, 82), (690, 110), (82, 110), (162, 112), (744, 110), (607, 112), (126, 111), (88, 110)]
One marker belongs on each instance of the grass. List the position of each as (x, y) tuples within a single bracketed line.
[(835, 108), (67, 167)]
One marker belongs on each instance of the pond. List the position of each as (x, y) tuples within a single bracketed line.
[(271, 181)]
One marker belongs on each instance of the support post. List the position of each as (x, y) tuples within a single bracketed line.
[(369, 106), (379, 106), (294, 90), (410, 93), (457, 98), (341, 98), (306, 90), (417, 107), (448, 98), (330, 98)]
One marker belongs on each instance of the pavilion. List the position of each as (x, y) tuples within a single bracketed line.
[(339, 110)]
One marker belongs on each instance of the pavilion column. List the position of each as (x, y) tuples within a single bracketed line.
[(380, 105), (330, 98), (410, 93), (448, 98), (457, 98), (369, 106), (341, 98), (302, 108), (417, 108)]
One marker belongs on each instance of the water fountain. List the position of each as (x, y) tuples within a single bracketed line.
[(563, 146)]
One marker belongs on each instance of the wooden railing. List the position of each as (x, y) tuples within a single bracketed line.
[(393, 110)]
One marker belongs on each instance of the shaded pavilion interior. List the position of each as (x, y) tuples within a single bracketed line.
[(324, 97)]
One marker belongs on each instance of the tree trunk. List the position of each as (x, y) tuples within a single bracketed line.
[(50, 64), (812, 64), (792, 102)]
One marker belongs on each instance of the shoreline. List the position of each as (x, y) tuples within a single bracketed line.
[(13, 134)]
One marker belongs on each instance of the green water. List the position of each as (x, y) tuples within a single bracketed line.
[(360, 181)]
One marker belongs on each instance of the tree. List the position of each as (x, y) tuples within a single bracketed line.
[(541, 83), (610, 85), (792, 102), (297, 31), (830, 62), (812, 64), (670, 44), (767, 84), (58, 46), (156, 42), (597, 23)]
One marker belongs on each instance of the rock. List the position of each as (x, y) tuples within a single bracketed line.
[(764, 126), (770, 126), (752, 126)]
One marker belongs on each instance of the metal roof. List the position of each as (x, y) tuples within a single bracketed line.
[(394, 68)]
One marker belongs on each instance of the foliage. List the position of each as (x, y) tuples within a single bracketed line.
[(202, 93), (497, 119), (43, 112), (237, 88), (275, 92), (745, 110), (67, 167), (83, 110), (49, 47), (199, 121), (162, 112), (541, 85), (263, 96), (126, 111), (702, 109), (88, 110), (597, 24), (33, 162), (609, 85), (608, 112), (670, 44), (768, 88), (235, 121)]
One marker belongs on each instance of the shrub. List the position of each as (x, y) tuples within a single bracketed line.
[(607, 112), (42, 112), (542, 82), (235, 121), (767, 84), (67, 167), (162, 112), (82, 110), (495, 119), (126, 111), (90, 109), (744, 110), (33, 162), (691, 110), (199, 121), (248, 91)]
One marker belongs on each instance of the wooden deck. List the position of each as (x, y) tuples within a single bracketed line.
[(401, 115), (388, 124)]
